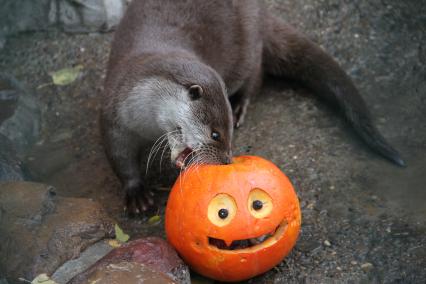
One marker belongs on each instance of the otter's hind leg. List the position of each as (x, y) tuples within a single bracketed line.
[(124, 152), (287, 53)]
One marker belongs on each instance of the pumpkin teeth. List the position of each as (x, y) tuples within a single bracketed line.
[(239, 244)]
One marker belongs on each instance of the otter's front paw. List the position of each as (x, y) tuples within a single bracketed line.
[(138, 201), (239, 110)]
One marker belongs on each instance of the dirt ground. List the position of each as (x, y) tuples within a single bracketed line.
[(364, 219)]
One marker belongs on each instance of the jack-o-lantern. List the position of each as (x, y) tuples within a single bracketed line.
[(233, 222)]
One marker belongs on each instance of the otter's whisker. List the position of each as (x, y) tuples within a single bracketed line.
[(156, 146)]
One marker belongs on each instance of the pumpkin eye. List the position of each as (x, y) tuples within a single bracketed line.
[(222, 209), (223, 213), (215, 136), (259, 203)]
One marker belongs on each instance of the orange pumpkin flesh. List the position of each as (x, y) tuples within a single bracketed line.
[(247, 242)]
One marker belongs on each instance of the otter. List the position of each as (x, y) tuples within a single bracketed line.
[(184, 72)]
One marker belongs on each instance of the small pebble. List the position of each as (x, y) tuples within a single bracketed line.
[(327, 243), (353, 262), (366, 266)]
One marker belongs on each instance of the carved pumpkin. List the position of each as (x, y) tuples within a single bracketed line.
[(233, 222)]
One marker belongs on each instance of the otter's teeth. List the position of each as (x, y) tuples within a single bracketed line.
[(181, 158)]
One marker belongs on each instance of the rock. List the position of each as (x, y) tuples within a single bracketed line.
[(23, 15), (152, 252), (39, 230), (11, 168), (367, 266), (21, 121), (86, 259), (89, 15), (127, 272), (70, 15), (47, 159), (8, 99)]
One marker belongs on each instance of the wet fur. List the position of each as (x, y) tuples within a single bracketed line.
[(162, 47)]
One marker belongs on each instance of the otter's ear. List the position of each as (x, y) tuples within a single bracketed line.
[(195, 92)]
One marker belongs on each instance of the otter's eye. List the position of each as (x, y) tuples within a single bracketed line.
[(215, 136), (223, 213), (195, 92)]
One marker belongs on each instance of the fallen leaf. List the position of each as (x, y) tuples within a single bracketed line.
[(43, 279), (66, 76), (154, 220), (114, 243), (120, 235)]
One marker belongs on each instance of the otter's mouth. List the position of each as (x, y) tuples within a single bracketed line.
[(257, 242), (181, 159)]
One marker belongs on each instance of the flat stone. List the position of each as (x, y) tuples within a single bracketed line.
[(86, 259), (39, 231)]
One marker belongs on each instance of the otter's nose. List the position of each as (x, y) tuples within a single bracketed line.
[(228, 158)]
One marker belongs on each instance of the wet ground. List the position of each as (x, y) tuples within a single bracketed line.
[(363, 218)]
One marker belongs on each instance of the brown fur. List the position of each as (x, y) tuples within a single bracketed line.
[(214, 44)]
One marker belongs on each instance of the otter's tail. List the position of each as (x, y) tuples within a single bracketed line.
[(287, 53)]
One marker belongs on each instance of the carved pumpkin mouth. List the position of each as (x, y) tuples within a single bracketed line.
[(251, 243)]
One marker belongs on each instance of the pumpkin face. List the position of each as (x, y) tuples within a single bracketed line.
[(233, 222)]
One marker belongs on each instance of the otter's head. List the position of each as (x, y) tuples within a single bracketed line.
[(204, 130), (196, 114)]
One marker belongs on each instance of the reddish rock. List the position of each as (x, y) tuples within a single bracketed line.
[(127, 272), (153, 252)]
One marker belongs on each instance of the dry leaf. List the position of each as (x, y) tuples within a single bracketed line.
[(120, 235), (66, 76), (43, 279), (154, 220), (114, 243)]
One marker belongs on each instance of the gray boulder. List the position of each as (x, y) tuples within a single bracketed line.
[(23, 15), (11, 168), (39, 231), (20, 114), (69, 15), (87, 15)]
